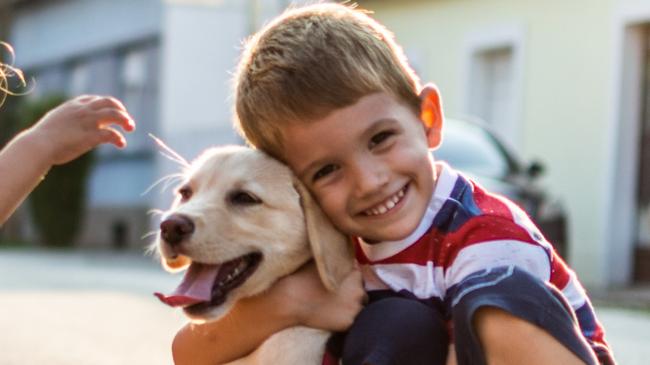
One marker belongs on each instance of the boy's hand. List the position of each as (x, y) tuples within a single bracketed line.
[(314, 306), (78, 125)]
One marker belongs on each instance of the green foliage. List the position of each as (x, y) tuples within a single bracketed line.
[(8, 121), (57, 205)]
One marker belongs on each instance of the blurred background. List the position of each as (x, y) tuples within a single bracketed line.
[(552, 95)]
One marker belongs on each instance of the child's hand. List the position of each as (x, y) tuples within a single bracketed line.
[(78, 125), (314, 306)]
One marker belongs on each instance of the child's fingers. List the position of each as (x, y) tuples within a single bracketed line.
[(110, 115), (85, 98), (112, 136), (101, 102)]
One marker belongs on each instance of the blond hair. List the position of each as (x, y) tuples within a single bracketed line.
[(310, 61), (7, 70)]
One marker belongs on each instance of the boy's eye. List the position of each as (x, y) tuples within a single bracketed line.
[(324, 171), (379, 138), (185, 192)]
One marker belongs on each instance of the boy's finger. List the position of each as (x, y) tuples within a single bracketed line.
[(112, 136), (107, 116)]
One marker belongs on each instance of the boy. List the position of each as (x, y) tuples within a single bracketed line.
[(326, 90)]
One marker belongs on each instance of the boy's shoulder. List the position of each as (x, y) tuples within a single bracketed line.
[(471, 210)]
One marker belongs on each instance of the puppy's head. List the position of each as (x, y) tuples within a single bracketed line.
[(237, 225)]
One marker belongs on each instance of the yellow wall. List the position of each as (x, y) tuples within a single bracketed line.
[(566, 102)]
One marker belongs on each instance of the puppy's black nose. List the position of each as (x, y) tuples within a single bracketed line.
[(176, 228)]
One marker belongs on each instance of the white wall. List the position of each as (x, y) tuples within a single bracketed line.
[(62, 29), (565, 102), (201, 44)]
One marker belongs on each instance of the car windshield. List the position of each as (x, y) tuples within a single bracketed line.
[(468, 147)]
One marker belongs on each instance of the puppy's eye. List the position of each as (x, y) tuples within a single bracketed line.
[(241, 197), (185, 192)]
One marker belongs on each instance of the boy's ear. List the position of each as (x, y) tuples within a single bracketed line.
[(431, 114)]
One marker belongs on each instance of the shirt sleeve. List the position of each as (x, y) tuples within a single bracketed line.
[(487, 242)]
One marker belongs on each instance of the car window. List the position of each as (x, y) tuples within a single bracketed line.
[(468, 147)]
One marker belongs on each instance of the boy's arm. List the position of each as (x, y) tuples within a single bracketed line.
[(299, 299), (63, 134)]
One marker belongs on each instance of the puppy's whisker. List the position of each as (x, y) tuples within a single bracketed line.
[(172, 181), (164, 179), (151, 249), (171, 158), (173, 155), (149, 234), (155, 212)]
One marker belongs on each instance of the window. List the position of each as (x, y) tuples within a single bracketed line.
[(491, 93), (493, 80), (139, 92), (79, 79)]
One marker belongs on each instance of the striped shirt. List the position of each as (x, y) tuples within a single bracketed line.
[(466, 229)]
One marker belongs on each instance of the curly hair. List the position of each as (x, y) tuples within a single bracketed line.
[(8, 71)]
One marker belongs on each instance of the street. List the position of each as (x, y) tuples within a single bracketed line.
[(97, 308)]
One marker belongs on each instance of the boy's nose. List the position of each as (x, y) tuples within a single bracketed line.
[(370, 180)]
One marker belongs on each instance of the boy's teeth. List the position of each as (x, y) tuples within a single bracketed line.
[(387, 205)]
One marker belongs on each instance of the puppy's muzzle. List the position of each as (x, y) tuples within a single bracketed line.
[(176, 228)]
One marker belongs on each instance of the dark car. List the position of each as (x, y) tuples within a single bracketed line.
[(470, 147)]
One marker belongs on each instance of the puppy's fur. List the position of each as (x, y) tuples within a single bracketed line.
[(284, 224)]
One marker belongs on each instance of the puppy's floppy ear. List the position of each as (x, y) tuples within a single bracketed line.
[(332, 250)]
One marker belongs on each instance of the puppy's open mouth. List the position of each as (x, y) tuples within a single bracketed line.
[(207, 285)]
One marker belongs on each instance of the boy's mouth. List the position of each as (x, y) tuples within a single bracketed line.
[(388, 204)]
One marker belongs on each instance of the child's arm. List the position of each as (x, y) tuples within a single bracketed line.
[(299, 299), (63, 134)]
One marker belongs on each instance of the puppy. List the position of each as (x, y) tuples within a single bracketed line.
[(241, 221)]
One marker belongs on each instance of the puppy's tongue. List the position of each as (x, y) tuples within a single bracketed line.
[(196, 286)]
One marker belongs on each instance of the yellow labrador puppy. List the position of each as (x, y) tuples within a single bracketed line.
[(241, 220)]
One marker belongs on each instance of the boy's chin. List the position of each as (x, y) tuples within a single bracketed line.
[(388, 236), (370, 241)]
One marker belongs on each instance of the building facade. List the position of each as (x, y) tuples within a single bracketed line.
[(168, 61), (565, 82)]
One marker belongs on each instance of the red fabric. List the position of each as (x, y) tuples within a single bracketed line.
[(329, 359)]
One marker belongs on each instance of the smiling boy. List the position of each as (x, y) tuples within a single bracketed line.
[(325, 89), (368, 164)]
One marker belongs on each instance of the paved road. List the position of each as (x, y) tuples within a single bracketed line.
[(97, 309)]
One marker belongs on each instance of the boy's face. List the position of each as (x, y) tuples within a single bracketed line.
[(368, 164)]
